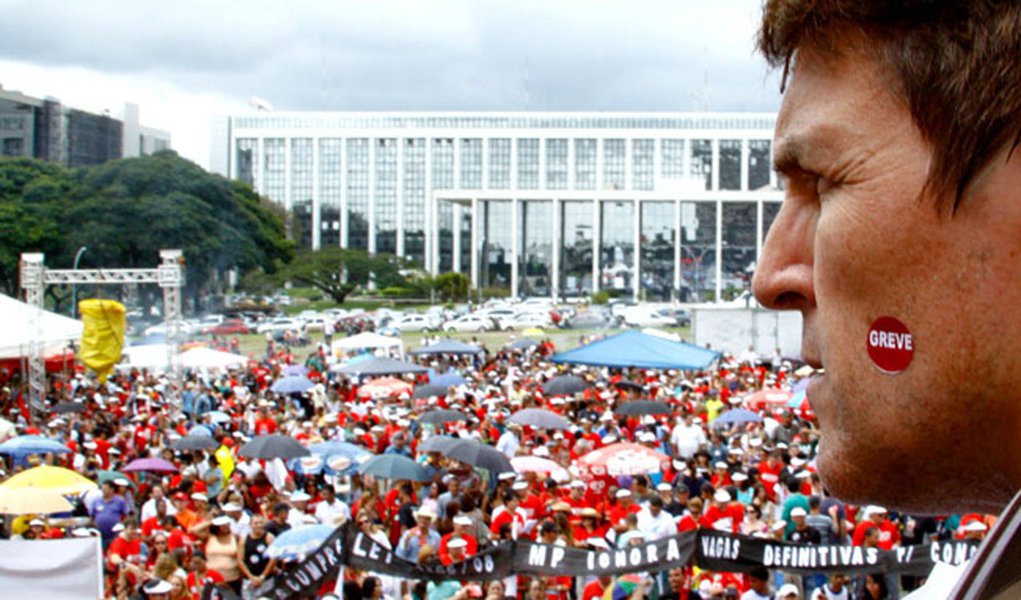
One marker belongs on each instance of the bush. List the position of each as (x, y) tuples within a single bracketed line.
[(601, 297), (400, 292), (495, 292)]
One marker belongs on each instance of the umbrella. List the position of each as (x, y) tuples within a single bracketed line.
[(218, 416), (383, 387), (623, 458), (539, 417), (110, 475), (768, 398), (438, 443), (428, 390), (24, 445), (295, 370), (338, 457), (797, 400), (644, 407), (481, 456), (68, 407), (447, 380), (292, 385), (57, 479), (565, 385), (442, 415), (296, 543), (200, 431), (801, 385), (156, 465), (626, 384), (379, 366), (273, 446), (32, 500), (522, 344), (736, 415), (307, 465), (6, 429), (534, 464), (394, 466), (195, 442)]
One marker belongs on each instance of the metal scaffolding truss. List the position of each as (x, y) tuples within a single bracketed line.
[(169, 276)]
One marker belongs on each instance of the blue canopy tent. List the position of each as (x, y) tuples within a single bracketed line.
[(639, 350), (447, 346)]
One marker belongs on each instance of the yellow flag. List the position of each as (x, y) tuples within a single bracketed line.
[(226, 461), (102, 336)]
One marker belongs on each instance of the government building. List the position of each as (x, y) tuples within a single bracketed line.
[(655, 206)]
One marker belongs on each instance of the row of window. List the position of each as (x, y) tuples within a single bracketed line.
[(747, 122)]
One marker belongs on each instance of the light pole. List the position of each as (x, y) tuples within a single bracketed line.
[(74, 286)]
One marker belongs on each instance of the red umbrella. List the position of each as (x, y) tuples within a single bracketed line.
[(383, 387), (768, 399), (623, 458)]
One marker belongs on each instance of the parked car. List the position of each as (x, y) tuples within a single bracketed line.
[(470, 322), (643, 316), (525, 320), (592, 319), (280, 324), (411, 323), (228, 327)]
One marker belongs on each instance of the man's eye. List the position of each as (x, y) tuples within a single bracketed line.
[(822, 185)]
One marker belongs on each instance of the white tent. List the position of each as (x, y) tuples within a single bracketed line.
[(366, 340), (206, 358), (149, 356), (21, 324)]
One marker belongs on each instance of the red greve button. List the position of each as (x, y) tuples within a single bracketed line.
[(891, 346)]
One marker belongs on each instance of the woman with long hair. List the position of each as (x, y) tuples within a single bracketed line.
[(222, 552)]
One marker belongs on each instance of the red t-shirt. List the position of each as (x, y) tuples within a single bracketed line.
[(196, 584), (593, 591)]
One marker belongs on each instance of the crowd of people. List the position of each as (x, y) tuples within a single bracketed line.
[(212, 521)]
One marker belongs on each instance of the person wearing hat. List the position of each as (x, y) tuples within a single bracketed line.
[(875, 518), (589, 526), (788, 591), (157, 589), (462, 525), (418, 537), (624, 506), (221, 550)]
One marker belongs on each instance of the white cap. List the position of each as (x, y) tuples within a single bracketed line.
[(426, 512), (199, 497), (232, 507), (578, 483), (664, 487), (797, 511), (121, 482), (34, 522), (300, 496), (520, 485), (157, 586), (721, 496), (623, 493), (222, 520), (739, 477), (462, 520), (971, 526), (457, 542), (720, 465), (786, 590), (507, 475), (874, 509)]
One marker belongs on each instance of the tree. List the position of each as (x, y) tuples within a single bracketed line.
[(453, 287), (337, 272), (31, 197)]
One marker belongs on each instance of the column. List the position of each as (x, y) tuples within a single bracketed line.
[(629, 167), (716, 164), (678, 236), (719, 244), (597, 239), (515, 245), (371, 217), (636, 278), (555, 251), (744, 165), (475, 244), (430, 223), (402, 145), (288, 150), (343, 194), (455, 251), (316, 217), (258, 169), (572, 180), (759, 206)]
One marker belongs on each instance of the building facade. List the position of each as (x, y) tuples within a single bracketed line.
[(646, 205), (47, 130)]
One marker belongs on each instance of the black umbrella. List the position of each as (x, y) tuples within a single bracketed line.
[(438, 443), (442, 415), (68, 407), (428, 390), (565, 385), (447, 347), (195, 442), (379, 366), (539, 417), (394, 466), (274, 446), (644, 407), (479, 455)]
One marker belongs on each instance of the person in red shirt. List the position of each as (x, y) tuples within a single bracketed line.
[(508, 513), (875, 517), (199, 575), (461, 525), (618, 513), (595, 589), (265, 424), (693, 518)]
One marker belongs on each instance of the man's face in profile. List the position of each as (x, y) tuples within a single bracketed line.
[(856, 240)]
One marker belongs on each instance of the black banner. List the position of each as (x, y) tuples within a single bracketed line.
[(317, 568), (660, 555), (708, 549), (218, 592)]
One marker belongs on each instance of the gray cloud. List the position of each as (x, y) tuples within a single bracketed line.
[(426, 54)]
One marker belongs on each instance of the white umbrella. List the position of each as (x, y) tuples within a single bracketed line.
[(32, 500)]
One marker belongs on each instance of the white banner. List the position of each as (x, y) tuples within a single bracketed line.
[(58, 569)]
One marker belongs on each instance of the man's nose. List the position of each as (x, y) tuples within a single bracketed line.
[(783, 279)]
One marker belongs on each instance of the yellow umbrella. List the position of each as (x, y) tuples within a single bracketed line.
[(54, 479), (31, 501)]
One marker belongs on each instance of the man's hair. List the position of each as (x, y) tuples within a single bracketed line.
[(955, 63)]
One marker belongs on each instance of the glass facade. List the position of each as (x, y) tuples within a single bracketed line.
[(388, 182), (617, 247), (659, 224), (576, 248)]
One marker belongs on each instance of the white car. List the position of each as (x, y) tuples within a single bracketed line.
[(638, 316), (471, 322), (414, 323), (280, 324), (186, 329), (525, 320)]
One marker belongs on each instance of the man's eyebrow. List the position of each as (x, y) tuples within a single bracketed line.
[(787, 156)]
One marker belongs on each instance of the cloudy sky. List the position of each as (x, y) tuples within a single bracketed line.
[(187, 60)]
